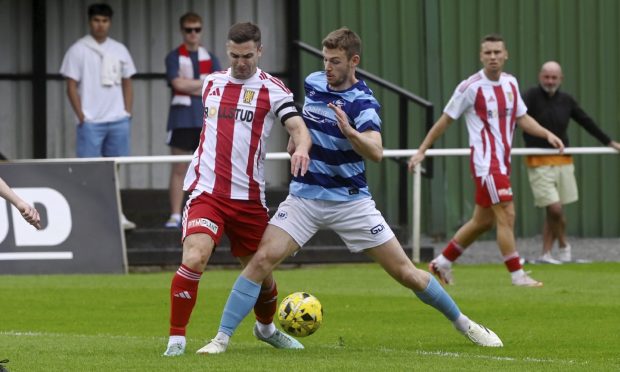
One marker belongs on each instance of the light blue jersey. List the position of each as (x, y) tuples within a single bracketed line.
[(336, 171)]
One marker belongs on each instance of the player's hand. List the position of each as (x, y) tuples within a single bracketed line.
[(299, 162), (415, 160), (342, 120), (555, 142), (31, 215), (290, 147)]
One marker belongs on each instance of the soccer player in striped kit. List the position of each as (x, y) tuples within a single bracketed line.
[(226, 182), (492, 105), (343, 117)]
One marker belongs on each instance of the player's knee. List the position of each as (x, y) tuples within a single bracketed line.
[(196, 255), (554, 211), (263, 262)]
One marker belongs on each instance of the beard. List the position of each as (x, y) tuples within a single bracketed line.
[(550, 90)]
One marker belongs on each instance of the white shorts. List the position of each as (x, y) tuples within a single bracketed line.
[(553, 184), (358, 223)]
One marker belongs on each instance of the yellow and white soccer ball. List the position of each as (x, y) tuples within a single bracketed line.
[(300, 314)]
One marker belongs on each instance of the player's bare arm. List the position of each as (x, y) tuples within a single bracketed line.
[(29, 213), (436, 131), (615, 145), (301, 143), (368, 144), (74, 99), (531, 126), (127, 87), (187, 86)]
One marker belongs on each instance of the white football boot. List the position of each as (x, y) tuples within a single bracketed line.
[(482, 336)]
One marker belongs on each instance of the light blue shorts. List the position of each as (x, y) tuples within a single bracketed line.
[(358, 223), (112, 138)]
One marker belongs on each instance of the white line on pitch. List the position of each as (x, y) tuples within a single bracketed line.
[(500, 358)]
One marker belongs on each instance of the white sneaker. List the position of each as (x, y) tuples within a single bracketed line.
[(214, 347), (173, 223), (126, 224), (482, 336), (443, 273), (525, 281), (564, 254), (279, 340), (548, 259), (174, 349)]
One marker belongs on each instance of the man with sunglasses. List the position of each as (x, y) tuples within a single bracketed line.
[(186, 68)]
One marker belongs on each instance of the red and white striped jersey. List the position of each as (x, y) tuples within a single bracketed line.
[(491, 109), (238, 117)]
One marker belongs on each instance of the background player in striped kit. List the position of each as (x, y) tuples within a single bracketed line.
[(492, 105), (343, 118), (226, 181)]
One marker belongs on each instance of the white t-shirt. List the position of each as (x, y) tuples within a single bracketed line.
[(491, 109), (83, 64), (238, 117)]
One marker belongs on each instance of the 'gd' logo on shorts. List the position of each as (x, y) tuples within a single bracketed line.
[(377, 229)]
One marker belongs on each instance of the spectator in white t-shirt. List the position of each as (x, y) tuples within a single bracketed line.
[(98, 73)]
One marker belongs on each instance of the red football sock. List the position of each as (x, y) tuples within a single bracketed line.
[(452, 251), (266, 303), (183, 293), (513, 262)]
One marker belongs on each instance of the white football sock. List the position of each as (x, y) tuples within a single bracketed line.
[(266, 330), (443, 261), (176, 340), (462, 323), (222, 338), (518, 273)]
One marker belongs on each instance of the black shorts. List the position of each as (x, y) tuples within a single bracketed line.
[(186, 139)]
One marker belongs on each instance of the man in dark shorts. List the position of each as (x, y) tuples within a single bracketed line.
[(186, 68)]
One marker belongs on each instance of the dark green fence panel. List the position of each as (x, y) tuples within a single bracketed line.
[(429, 46)]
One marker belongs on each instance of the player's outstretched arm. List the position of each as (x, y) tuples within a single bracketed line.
[(436, 131), (368, 144), (615, 145), (299, 145), (30, 214), (531, 126)]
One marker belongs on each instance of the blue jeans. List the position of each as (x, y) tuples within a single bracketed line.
[(112, 138)]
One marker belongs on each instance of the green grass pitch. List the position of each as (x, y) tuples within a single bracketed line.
[(119, 323)]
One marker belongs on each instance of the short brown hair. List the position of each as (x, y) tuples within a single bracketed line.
[(344, 39), (189, 17), (244, 31), (492, 38)]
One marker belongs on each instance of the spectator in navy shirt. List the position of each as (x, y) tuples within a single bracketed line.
[(186, 68)]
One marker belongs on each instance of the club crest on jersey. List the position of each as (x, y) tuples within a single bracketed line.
[(248, 95), (203, 222), (509, 95), (281, 215), (211, 111), (339, 103)]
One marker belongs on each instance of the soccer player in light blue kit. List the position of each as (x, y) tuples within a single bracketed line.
[(342, 116)]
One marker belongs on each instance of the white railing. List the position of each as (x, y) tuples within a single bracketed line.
[(416, 205)]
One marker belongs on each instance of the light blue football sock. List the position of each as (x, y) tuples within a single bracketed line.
[(435, 296), (239, 304)]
